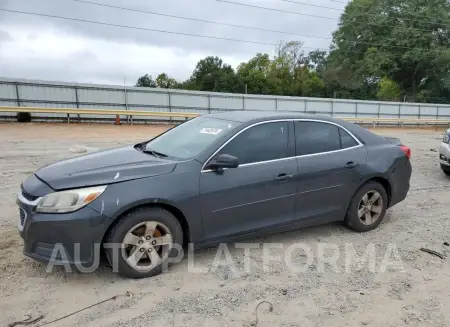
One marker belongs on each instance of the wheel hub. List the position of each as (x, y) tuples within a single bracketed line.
[(146, 245), (370, 207)]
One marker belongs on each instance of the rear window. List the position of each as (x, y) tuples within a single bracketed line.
[(317, 137), (347, 141)]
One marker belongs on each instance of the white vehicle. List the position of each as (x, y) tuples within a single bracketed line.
[(444, 152)]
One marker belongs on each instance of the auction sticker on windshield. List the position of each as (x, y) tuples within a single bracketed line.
[(213, 131)]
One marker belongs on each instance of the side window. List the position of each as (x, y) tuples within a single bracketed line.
[(263, 142), (316, 137), (347, 141)]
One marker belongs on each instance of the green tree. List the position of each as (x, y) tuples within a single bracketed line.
[(287, 69), (205, 70), (406, 41), (188, 84), (316, 60), (165, 82), (388, 90), (313, 86), (255, 74), (146, 81), (212, 74)]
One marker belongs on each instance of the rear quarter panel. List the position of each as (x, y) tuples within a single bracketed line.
[(385, 159), (389, 162)]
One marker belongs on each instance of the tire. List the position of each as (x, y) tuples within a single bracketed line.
[(357, 206), (446, 169), (137, 226)]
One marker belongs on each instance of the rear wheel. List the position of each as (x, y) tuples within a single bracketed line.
[(367, 208), (446, 169), (145, 239)]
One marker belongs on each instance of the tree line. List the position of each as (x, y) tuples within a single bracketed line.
[(394, 50)]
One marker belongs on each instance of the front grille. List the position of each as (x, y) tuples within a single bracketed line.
[(29, 196)]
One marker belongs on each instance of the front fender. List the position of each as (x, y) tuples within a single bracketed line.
[(179, 189), (143, 202)]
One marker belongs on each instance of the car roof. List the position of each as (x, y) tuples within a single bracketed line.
[(248, 117), (253, 116)]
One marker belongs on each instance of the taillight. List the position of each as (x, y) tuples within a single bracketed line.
[(406, 150)]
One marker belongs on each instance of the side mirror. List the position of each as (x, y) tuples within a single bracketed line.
[(224, 161)]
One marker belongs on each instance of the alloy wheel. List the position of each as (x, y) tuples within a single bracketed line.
[(370, 207), (146, 245)]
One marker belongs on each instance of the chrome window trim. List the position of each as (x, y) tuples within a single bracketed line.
[(360, 144)]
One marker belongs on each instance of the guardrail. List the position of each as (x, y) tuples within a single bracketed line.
[(107, 112), (78, 111), (399, 121)]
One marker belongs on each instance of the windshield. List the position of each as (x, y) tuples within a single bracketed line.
[(190, 138)]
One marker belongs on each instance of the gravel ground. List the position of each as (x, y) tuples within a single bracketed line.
[(407, 287)]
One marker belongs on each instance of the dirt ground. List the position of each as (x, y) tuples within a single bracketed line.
[(412, 292)]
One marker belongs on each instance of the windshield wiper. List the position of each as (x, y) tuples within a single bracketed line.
[(141, 146), (155, 153)]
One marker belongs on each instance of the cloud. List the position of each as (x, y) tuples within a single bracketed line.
[(5, 37), (47, 48), (75, 58)]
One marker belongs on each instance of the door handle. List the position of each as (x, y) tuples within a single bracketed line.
[(282, 177), (351, 164)]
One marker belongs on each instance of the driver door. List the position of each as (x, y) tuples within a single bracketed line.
[(260, 193)]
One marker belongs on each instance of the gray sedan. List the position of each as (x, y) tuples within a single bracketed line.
[(215, 178)]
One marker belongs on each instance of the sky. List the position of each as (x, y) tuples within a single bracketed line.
[(46, 48)]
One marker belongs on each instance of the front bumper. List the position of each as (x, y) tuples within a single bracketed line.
[(444, 154), (72, 238)]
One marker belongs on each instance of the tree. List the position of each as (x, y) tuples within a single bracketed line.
[(313, 85), (388, 90), (212, 74), (287, 69), (165, 82), (146, 81), (382, 49), (316, 60), (406, 41), (255, 74), (206, 67), (188, 84)]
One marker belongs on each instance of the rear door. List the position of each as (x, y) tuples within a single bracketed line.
[(328, 160), (260, 193)]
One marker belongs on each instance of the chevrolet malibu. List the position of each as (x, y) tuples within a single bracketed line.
[(212, 179)]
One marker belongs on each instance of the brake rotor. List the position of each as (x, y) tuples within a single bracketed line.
[(157, 233)]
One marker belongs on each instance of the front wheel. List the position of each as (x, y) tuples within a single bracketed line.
[(367, 208), (145, 240), (445, 169)]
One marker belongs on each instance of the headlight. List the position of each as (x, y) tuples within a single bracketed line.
[(445, 138), (69, 201)]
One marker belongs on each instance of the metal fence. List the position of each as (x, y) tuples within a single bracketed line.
[(31, 93)]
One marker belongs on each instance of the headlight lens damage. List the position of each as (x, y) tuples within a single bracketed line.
[(70, 200), (445, 137)]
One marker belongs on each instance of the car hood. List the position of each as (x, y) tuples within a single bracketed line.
[(104, 167)]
